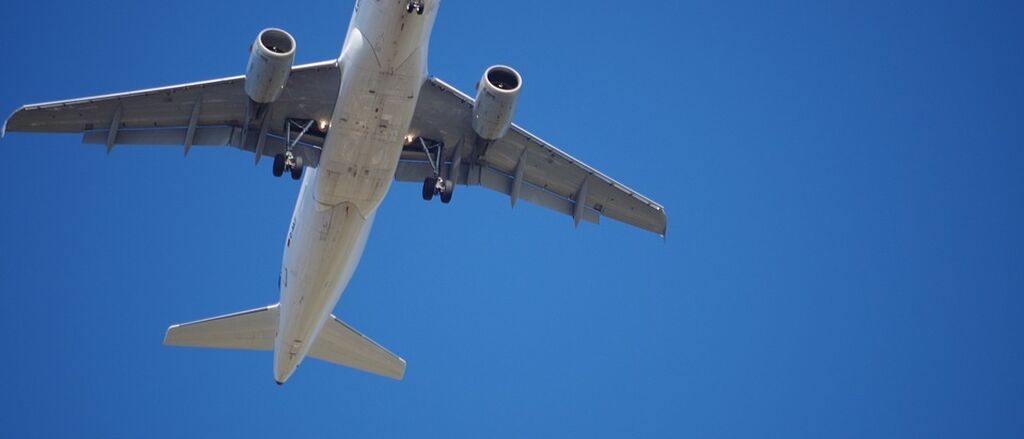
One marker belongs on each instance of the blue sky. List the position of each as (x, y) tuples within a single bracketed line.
[(843, 182)]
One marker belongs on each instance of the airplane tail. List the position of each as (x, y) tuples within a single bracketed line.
[(256, 329), (252, 329)]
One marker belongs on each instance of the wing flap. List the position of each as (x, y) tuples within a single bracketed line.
[(414, 171), (213, 136), (208, 136)]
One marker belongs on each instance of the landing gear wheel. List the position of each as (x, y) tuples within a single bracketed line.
[(446, 193), (419, 9), (429, 186), (297, 168), (279, 165), (414, 5)]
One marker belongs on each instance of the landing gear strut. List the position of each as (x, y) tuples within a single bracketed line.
[(436, 184), (414, 5)]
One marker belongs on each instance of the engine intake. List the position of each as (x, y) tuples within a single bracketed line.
[(270, 63), (496, 96)]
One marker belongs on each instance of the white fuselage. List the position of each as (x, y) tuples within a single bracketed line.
[(383, 65)]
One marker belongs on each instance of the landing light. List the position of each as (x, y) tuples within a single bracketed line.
[(323, 125), (408, 138)]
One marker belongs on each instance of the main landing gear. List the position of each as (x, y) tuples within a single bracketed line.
[(436, 184), (414, 5), (289, 160)]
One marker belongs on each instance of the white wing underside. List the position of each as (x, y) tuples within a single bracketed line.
[(214, 112), (520, 165), (215, 109)]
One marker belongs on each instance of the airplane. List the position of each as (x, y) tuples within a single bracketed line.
[(347, 128)]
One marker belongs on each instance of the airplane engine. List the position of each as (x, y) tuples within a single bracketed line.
[(496, 96), (270, 63)]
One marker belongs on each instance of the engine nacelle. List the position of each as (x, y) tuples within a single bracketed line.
[(270, 63), (496, 96)]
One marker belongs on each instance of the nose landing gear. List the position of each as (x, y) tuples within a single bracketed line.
[(414, 5)]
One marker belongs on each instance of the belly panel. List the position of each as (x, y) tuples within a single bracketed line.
[(322, 251), (371, 118)]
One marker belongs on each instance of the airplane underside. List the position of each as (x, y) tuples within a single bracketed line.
[(347, 128), (338, 200)]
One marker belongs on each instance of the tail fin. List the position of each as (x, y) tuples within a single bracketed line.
[(252, 329), (340, 343)]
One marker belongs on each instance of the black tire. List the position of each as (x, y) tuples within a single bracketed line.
[(446, 193), (278, 165), (419, 10), (428, 188), (408, 7), (297, 169)]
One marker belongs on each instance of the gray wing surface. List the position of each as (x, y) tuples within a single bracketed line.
[(212, 113), (520, 165)]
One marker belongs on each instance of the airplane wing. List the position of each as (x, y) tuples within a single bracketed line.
[(520, 165), (215, 113)]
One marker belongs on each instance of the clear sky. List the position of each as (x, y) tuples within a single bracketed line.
[(843, 181)]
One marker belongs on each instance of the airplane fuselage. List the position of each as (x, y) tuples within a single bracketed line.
[(383, 64)]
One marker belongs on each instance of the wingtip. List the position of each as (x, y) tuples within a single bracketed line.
[(664, 224), (400, 375), (167, 335), (3, 129)]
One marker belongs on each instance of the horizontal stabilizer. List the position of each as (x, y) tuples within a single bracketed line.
[(253, 329), (341, 344)]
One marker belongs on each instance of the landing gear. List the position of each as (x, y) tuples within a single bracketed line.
[(288, 162), (279, 165), (447, 190), (429, 188), (436, 184), (297, 168), (414, 5)]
